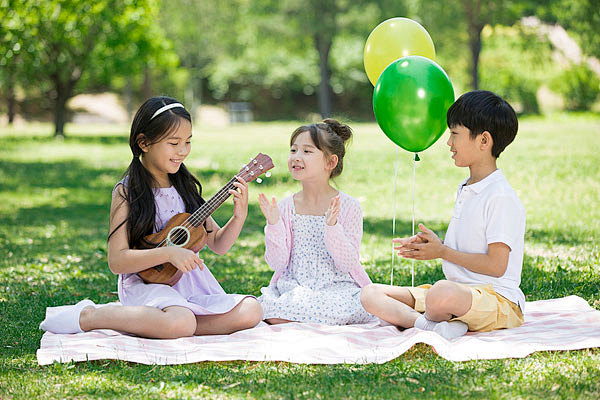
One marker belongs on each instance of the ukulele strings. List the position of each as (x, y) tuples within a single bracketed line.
[(221, 196), (193, 219)]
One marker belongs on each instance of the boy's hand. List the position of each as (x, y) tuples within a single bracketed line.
[(401, 242), (269, 210), (426, 245), (333, 211)]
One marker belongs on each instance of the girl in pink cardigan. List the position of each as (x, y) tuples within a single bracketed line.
[(312, 238)]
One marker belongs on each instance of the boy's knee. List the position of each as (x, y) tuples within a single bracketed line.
[(440, 295)]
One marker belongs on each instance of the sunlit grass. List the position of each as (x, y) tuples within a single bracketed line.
[(54, 202)]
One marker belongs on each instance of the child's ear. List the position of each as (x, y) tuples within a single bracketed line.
[(332, 162), (486, 141), (142, 142)]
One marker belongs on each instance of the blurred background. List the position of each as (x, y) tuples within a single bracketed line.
[(231, 61)]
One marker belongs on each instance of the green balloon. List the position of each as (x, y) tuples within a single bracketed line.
[(410, 101)]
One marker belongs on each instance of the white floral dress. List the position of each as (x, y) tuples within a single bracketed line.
[(311, 289)]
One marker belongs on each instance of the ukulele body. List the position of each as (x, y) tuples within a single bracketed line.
[(178, 232)]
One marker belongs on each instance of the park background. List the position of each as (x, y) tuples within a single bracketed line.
[(73, 72)]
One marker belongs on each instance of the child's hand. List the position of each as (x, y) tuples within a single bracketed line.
[(426, 245), (240, 198), (333, 211), (401, 242), (269, 210), (184, 259)]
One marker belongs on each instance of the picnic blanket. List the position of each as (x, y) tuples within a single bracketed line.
[(567, 323)]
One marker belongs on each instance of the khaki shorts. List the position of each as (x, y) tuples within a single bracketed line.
[(489, 310)]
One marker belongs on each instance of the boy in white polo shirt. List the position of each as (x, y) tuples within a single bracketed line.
[(482, 253)]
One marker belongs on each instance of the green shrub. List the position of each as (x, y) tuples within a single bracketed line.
[(579, 86)]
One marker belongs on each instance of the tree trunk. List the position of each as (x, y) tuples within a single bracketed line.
[(63, 93), (323, 46), (147, 86), (474, 28), (11, 100), (475, 45)]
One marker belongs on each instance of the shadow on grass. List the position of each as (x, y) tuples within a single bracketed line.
[(122, 139), (27, 287)]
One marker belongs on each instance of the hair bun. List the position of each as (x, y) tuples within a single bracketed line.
[(342, 130)]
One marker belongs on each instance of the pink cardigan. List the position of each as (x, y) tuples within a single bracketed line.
[(342, 239)]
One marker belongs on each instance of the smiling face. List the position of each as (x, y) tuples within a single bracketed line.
[(166, 156), (465, 150), (306, 161)]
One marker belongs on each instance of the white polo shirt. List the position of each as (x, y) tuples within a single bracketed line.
[(488, 211)]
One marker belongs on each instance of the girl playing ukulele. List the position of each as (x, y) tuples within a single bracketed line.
[(157, 185)]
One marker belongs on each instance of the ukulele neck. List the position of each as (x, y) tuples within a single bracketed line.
[(206, 209)]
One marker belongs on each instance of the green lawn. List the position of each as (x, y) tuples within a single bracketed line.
[(54, 202)]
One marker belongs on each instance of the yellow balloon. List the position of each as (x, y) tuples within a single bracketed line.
[(392, 39)]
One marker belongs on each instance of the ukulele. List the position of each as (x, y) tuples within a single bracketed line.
[(187, 230)]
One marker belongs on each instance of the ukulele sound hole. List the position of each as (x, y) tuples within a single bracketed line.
[(178, 236)]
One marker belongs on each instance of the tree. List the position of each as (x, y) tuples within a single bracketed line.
[(283, 49), (10, 57), (581, 17), (71, 45)]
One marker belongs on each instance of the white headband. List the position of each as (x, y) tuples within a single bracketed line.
[(165, 108)]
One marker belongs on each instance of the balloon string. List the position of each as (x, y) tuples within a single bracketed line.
[(394, 219), (412, 268)]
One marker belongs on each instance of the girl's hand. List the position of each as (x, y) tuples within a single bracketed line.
[(333, 211), (269, 210), (240, 198), (184, 259)]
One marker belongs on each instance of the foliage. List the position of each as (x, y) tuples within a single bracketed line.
[(579, 86), (68, 47), (515, 63), (580, 17), (54, 204)]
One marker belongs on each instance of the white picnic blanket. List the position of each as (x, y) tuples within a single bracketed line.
[(567, 323)]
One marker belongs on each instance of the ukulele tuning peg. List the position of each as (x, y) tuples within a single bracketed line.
[(268, 174), (247, 169), (258, 180), (251, 173), (260, 167), (254, 162)]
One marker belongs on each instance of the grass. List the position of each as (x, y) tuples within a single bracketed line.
[(54, 202)]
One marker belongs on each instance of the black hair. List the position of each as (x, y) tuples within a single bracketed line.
[(482, 110), (138, 190), (330, 137)]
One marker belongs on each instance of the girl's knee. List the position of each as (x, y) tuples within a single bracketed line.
[(251, 313), (368, 294), (179, 324)]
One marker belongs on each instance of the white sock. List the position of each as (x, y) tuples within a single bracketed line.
[(447, 330), (66, 321), (451, 329), (424, 324)]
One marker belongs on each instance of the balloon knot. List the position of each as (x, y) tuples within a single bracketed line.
[(417, 157)]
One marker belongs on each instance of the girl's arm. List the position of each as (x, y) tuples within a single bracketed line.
[(277, 239), (278, 248), (343, 239), (220, 239), (123, 260)]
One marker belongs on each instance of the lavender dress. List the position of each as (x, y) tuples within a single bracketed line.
[(197, 290)]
